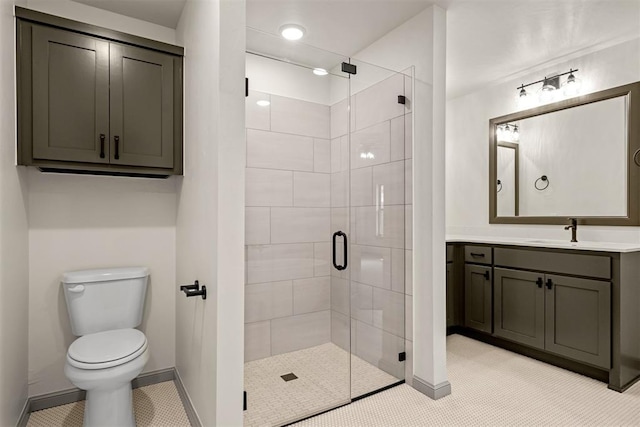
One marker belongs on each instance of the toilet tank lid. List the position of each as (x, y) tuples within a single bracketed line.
[(104, 274)]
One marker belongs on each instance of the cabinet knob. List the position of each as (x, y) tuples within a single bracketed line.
[(539, 282), (549, 284), (487, 275)]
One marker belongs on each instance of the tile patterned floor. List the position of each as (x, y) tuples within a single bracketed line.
[(491, 387), (494, 387), (154, 405), (323, 383)]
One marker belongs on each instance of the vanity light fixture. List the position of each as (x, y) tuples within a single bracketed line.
[(263, 103), (549, 85), (320, 72), (508, 132), (292, 31)]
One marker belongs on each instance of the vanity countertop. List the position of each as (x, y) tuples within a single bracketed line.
[(546, 243)]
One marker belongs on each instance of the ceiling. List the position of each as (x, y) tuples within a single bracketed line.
[(487, 40), (161, 12)]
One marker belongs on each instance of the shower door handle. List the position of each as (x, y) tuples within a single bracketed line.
[(335, 264)]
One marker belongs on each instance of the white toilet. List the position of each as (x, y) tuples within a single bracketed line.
[(104, 306)]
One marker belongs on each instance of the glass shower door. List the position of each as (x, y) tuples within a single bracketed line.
[(380, 217), (297, 346)]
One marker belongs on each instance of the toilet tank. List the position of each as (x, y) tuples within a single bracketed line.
[(105, 299)]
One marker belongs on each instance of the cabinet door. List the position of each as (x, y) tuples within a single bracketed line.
[(141, 107), (519, 306), (477, 297), (450, 296), (578, 319), (70, 96)]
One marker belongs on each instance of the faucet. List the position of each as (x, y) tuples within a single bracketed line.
[(574, 229)]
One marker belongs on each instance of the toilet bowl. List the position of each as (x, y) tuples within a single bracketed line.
[(104, 308), (104, 364)]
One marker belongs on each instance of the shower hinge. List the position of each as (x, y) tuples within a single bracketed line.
[(244, 400), (246, 87), (349, 68), (402, 99), (402, 356)]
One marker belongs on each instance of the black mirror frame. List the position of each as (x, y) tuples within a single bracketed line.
[(633, 158)]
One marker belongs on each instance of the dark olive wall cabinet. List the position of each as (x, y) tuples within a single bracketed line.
[(70, 96), (141, 107), (96, 104), (477, 297)]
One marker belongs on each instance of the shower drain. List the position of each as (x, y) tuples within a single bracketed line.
[(289, 377)]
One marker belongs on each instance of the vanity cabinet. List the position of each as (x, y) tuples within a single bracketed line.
[(477, 287), (449, 273), (563, 315), (88, 103), (519, 306), (477, 297), (454, 282), (571, 306)]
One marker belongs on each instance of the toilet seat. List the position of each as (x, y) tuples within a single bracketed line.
[(106, 349)]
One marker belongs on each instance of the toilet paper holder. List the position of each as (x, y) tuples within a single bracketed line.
[(194, 290)]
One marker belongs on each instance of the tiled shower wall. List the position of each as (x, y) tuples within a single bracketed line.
[(299, 166), (379, 163), (287, 291)]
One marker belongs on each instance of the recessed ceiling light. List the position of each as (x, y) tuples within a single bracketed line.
[(263, 103), (292, 31), (320, 72)]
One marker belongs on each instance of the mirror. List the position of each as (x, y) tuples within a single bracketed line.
[(576, 158), (507, 179)]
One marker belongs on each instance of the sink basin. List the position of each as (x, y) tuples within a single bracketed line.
[(553, 242)]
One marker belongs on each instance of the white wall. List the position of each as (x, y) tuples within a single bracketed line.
[(79, 222), (467, 156), (103, 18), (14, 273), (210, 224), (420, 42), (284, 79)]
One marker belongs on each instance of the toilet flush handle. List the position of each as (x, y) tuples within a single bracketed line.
[(76, 289)]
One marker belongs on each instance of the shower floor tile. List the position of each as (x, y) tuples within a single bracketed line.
[(322, 383)]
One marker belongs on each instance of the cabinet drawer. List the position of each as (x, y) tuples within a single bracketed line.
[(477, 254), (558, 262)]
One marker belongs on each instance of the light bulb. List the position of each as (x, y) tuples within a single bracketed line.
[(320, 72), (572, 86), (292, 31), (263, 103), (515, 134), (523, 99)]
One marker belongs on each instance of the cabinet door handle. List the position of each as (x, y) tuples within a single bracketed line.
[(549, 284), (486, 275), (102, 137), (117, 141), (539, 282), (477, 255)]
